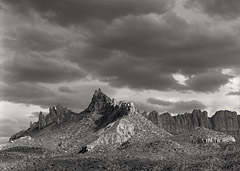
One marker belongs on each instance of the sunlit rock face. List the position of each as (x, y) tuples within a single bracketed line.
[(114, 125), (181, 123), (115, 133)]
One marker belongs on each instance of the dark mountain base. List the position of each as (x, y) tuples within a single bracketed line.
[(226, 157)]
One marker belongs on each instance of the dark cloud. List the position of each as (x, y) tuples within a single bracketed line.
[(159, 102), (169, 42), (24, 93), (229, 9), (234, 93), (39, 68), (174, 107), (66, 90), (33, 39), (65, 12), (128, 45), (207, 82), (142, 52)]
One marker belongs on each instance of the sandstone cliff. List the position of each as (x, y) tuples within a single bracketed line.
[(181, 123), (225, 121), (222, 121)]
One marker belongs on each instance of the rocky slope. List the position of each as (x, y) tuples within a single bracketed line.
[(104, 124), (56, 115), (202, 135), (223, 121)]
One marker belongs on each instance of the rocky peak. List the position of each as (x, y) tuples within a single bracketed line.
[(100, 102)]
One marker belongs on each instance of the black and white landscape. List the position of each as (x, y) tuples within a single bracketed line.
[(111, 135), (131, 85)]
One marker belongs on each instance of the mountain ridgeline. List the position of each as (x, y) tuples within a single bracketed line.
[(115, 135), (108, 123), (222, 121)]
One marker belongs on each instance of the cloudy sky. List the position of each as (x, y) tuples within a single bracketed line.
[(164, 55)]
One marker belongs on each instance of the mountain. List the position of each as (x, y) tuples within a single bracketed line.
[(111, 135), (223, 121), (105, 123)]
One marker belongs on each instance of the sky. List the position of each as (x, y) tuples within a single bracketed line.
[(164, 55)]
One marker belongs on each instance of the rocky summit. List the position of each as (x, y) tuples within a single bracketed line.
[(111, 135)]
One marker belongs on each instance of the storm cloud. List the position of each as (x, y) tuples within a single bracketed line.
[(207, 82), (229, 9), (33, 67), (142, 52), (123, 44), (71, 12), (33, 39)]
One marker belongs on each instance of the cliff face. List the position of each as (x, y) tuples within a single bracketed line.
[(222, 121), (180, 123), (225, 121)]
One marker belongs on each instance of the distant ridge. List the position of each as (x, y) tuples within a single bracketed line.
[(223, 121)]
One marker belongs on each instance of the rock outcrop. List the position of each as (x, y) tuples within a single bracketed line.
[(225, 121), (122, 132), (56, 115), (120, 123), (181, 123), (222, 121), (100, 102), (202, 135), (41, 121)]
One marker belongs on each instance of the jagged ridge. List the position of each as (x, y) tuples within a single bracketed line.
[(103, 123)]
